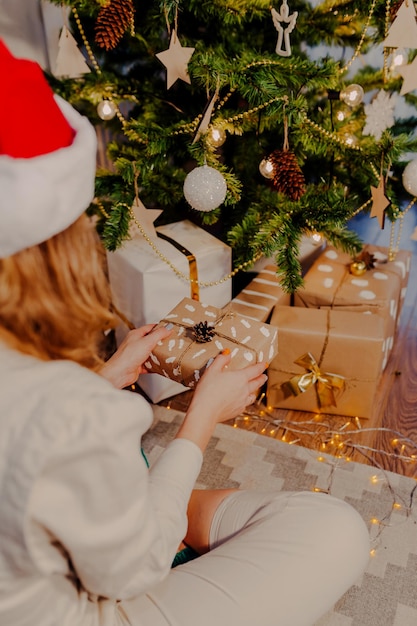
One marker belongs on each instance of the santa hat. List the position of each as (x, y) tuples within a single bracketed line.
[(47, 158)]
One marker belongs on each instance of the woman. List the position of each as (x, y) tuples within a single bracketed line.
[(88, 533)]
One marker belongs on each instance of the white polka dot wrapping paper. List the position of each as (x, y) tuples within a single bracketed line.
[(380, 291), (200, 333)]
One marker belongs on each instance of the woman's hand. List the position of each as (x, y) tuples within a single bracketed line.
[(220, 395), (125, 365)]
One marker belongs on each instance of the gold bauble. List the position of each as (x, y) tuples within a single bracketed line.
[(217, 137), (357, 268)]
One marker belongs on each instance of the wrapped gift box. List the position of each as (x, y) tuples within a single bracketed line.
[(343, 344), (309, 249), (145, 287), (381, 290), (401, 265), (257, 300), (200, 333)]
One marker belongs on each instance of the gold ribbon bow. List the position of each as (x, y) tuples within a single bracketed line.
[(326, 383)]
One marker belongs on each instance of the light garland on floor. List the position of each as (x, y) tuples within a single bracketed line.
[(334, 440), (330, 434)]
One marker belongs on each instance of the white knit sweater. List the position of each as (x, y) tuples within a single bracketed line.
[(83, 522)]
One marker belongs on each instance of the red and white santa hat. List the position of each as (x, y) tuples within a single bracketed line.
[(47, 158)]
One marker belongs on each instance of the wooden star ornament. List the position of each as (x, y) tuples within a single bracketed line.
[(146, 217), (379, 202), (409, 73), (176, 60), (205, 121)]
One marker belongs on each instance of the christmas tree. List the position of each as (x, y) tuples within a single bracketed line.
[(227, 113)]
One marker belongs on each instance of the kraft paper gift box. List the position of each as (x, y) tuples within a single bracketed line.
[(381, 290), (348, 349), (200, 333), (145, 287), (257, 300)]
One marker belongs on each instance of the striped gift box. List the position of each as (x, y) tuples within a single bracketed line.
[(258, 299)]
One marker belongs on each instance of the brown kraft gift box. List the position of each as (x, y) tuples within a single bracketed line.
[(381, 290), (184, 356), (343, 344)]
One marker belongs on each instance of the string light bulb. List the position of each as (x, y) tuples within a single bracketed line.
[(350, 140), (316, 239), (106, 110), (399, 58), (266, 168), (352, 95), (342, 113)]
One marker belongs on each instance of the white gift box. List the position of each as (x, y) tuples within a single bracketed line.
[(145, 288), (308, 252)]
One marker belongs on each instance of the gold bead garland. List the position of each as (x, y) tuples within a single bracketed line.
[(386, 29), (330, 135), (395, 246), (176, 270), (361, 41)]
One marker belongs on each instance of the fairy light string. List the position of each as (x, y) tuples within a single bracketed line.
[(325, 437), (333, 441)]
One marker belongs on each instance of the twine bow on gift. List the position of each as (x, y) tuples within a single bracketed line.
[(326, 384), (204, 332)]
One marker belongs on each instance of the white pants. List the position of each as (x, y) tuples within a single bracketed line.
[(279, 559)]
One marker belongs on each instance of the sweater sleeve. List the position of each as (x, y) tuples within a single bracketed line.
[(96, 507)]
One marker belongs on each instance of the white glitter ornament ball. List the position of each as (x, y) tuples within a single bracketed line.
[(205, 188), (410, 177)]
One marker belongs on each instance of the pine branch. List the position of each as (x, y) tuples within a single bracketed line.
[(116, 227)]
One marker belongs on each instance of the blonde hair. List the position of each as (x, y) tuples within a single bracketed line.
[(55, 300)]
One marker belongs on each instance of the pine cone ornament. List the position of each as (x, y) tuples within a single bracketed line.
[(368, 258), (288, 177), (113, 20), (203, 332), (394, 9)]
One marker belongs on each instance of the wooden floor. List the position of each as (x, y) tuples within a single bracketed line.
[(389, 438)]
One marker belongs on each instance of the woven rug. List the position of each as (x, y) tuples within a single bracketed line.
[(386, 595)]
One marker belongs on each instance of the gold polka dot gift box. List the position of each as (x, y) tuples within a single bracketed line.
[(373, 286), (200, 333)]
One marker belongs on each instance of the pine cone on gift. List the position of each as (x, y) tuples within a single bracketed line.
[(203, 332), (368, 258), (113, 19), (288, 177)]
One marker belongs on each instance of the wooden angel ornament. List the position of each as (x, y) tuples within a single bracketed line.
[(285, 24)]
